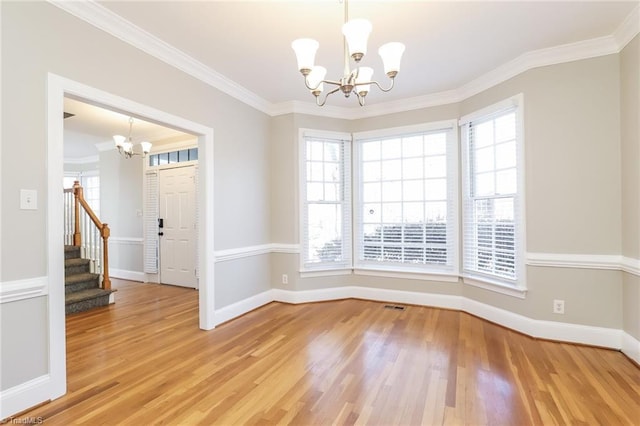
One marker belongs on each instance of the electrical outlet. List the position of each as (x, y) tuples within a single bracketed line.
[(285, 279), (558, 306)]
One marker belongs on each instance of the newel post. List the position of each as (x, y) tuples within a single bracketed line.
[(77, 194), (105, 233)]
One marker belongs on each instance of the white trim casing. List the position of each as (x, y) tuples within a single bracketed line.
[(551, 330), (57, 88), (237, 309), (585, 261), (631, 347), (24, 396), (12, 291), (124, 274)]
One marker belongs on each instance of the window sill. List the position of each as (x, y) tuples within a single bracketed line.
[(495, 286), (310, 273), (394, 273)]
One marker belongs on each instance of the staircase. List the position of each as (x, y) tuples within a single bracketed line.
[(81, 287)]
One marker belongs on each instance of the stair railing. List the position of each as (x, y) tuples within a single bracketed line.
[(83, 229)]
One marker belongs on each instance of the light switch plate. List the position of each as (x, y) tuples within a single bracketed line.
[(28, 199)]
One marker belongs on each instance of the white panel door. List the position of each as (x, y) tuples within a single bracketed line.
[(178, 231)]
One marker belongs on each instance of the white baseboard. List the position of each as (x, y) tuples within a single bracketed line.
[(242, 307), (24, 396), (123, 274), (631, 347), (552, 330)]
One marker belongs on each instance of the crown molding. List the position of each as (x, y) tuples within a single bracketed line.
[(629, 28), (112, 23), (102, 18)]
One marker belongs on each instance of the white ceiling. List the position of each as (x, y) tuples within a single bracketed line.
[(448, 43)]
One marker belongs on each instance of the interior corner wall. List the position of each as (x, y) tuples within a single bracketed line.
[(33, 45), (630, 170)]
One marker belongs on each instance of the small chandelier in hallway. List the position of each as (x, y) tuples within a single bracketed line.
[(355, 34), (125, 144)]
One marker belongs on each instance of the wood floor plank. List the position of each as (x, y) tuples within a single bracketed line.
[(346, 362)]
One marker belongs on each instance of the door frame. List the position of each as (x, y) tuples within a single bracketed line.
[(57, 88)]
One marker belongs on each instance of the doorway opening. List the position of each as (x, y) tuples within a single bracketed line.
[(59, 88)]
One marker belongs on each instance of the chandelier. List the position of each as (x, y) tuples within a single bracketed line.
[(355, 32), (125, 144)]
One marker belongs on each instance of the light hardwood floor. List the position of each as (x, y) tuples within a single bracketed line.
[(144, 361)]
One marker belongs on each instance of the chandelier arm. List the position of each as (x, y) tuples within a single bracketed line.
[(306, 83), (360, 98), (382, 88), (326, 96)]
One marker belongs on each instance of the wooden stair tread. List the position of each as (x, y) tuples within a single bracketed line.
[(82, 295), (78, 278)]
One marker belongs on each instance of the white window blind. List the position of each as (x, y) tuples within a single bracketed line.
[(406, 209), (151, 214), (325, 195), (492, 199)]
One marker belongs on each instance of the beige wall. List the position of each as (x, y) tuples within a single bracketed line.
[(38, 38), (573, 199), (630, 171)]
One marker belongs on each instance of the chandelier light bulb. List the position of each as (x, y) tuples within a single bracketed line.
[(305, 49), (357, 31), (146, 147), (119, 140), (391, 54), (364, 75), (314, 79)]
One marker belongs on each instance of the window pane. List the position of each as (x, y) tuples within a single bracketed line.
[(370, 150), (372, 213), (391, 148), (392, 213), (413, 212), (371, 171), (436, 189), (413, 190), (332, 172), (506, 182), (505, 127), (435, 166), (391, 170), (372, 192), (183, 155), (324, 232), (173, 157), (331, 151), (412, 168), (506, 155), (412, 146), (392, 191), (484, 184), (436, 144), (483, 160), (315, 150), (193, 154), (315, 192), (483, 134)]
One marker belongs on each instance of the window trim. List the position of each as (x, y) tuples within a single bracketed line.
[(516, 287), (444, 272), (323, 269)]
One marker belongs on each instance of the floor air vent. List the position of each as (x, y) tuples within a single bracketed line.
[(396, 307)]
